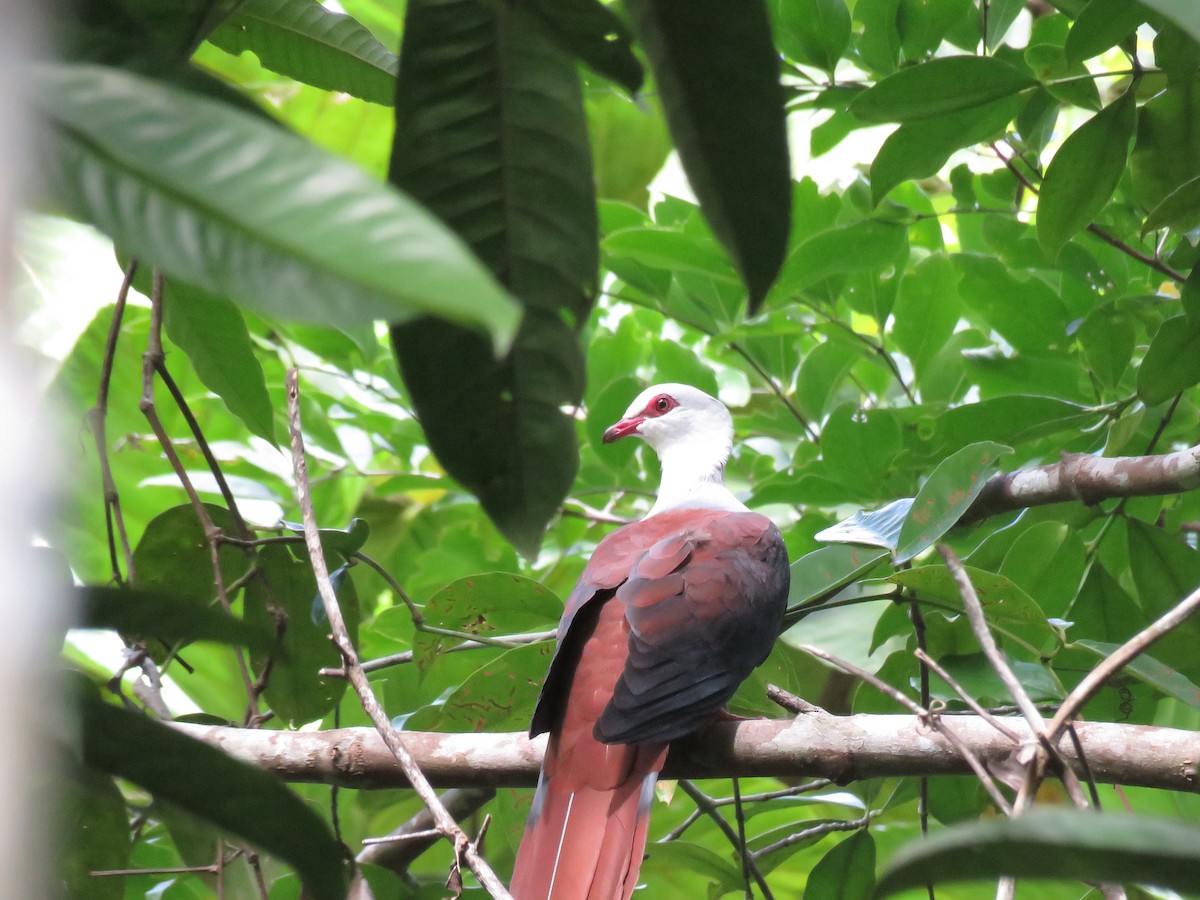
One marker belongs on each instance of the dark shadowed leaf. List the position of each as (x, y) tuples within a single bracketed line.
[(173, 555), (942, 500), (163, 616), (847, 871), (491, 135), (94, 833), (1154, 673), (213, 334), (1179, 209), (1172, 363), (1084, 173), (283, 600), (204, 781), (597, 36), (1165, 570), (1053, 843), (877, 528), (944, 85), (305, 41), (175, 180), (718, 74)]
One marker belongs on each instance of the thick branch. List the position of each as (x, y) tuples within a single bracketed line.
[(842, 748), (1078, 476)]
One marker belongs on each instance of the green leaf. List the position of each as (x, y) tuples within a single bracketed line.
[(629, 142), (173, 556), (1180, 209), (593, 33), (163, 616), (1001, 15), (877, 528), (813, 32), (1084, 173), (176, 180), (1172, 364), (1102, 24), (870, 245), (1053, 843), (718, 74), (920, 148), (1150, 670), (213, 334), (942, 500), (1165, 571), (1166, 154), (943, 85), (1005, 605), (204, 781), (819, 575), (94, 833), (491, 136), (284, 600), (846, 872), (493, 603), (1183, 13), (305, 41)]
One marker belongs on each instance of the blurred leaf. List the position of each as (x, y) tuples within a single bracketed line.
[(813, 32), (683, 867), (163, 616), (1172, 363), (718, 74), (491, 135), (1102, 24), (943, 85), (629, 146), (878, 528), (1166, 154), (1183, 13), (175, 180), (242, 800), (492, 603), (307, 42), (1053, 843), (213, 334), (1151, 671), (952, 487), (863, 246), (94, 834), (1179, 209), (173, 556), (282, 600), (499, 696), (595, 34), (349, 540), (1165, 571), (1084, 172), (847, 871), (1001, 15)]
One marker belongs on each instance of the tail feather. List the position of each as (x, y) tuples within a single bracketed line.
[(587, 843)]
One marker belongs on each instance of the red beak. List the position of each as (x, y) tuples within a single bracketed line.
[(624, 428)]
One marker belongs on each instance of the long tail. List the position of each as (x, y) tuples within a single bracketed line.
[(587, 830)]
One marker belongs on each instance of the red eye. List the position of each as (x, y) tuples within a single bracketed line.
[(659, 405)]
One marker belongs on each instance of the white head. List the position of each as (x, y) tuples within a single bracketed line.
[(692, 433)]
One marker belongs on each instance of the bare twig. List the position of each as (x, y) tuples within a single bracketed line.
[(98, 417), (400, 659), (790, 702), (967, 698), (816, 831), (704, 804), (418, 834), (442, 819)]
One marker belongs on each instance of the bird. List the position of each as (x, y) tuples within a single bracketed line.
[(670, 615)]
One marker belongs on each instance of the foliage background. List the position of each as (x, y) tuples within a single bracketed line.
[(1012, 265)]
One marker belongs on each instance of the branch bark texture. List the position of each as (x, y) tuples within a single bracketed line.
[(841, 748), (1090, 479)]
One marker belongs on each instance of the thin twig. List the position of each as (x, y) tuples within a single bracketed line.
[(705, 805), (927, 717), (815, 831), (341, 638), (98, 418), (400, 659), (967, 698)]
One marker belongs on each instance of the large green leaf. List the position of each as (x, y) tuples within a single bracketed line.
[(1172, 363), (814, 32), (1100, 25), (1179, 209), (95, 833), (944, 85), (490, 135), (942, 500), (591, 31), (305, 41), (846, 872), (204, 781), (718, 74), (213, 334), (1151, 671), (1183, 13), (241, 209), (1084, 173), (168, 618), (1054, 843)]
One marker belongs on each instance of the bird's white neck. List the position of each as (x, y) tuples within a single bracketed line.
[(693, 477)]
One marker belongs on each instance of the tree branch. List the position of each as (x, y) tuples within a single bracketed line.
[(1090, 479), (817, 744)]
